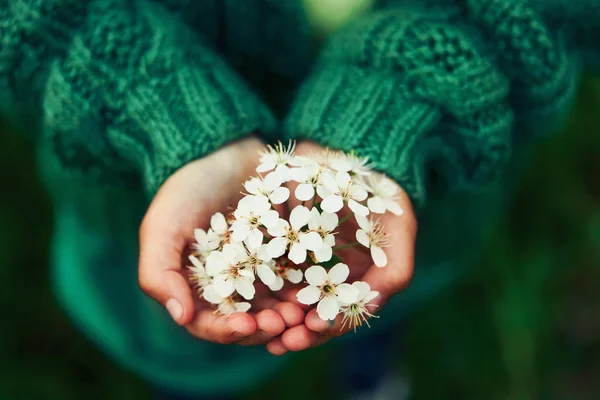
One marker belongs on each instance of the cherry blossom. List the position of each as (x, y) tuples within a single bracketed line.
[(372, 236), (328, 289), (339, 190)]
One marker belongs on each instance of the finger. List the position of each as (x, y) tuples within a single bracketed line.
[(292, 314), (301, 338), (160, 272), (276, 347), (216, 328), (269, 324)]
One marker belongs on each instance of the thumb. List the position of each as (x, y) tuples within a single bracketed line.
[(161, 275)]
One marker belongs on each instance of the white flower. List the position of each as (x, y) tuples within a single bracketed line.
[(278, 158), (198, 275), (336, 191), (229, 276), (288, 235), (351, 163), (320, 240), (230, 306), (269, 187), (356, 313), (309, 178), (371, 235), (217, 236), (385, 195), (252, 213), (260, 261), (284, 272), (328, 289)]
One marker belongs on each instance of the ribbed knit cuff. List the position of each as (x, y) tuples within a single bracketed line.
[(352, 110)]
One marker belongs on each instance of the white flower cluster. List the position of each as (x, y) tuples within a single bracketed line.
[(260, 239)]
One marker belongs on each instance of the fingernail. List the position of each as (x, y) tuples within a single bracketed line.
[(175, 309)]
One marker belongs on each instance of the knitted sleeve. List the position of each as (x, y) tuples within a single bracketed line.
[(119, 88), (440, 90)]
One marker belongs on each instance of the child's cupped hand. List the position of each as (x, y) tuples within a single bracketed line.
[(387, 281), (186, 201)]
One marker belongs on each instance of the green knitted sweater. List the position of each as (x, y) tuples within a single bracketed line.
[(121, 93)]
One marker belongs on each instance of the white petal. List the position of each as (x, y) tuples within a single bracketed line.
[(279, 228), (376, 205), (226, 308), (272, 181), (276, 247), (279, 195), (239, 231), (299, 217), (358, 193), (364, 223), (343, 179), (245, 288), (328, 308), (265, 166), (363, 238), (323, 253), (277, 284), (329, 183), (329, 240), (260, 205), (263, 254), (298, 174), (363, 289), (266, 274), (311, 240), (255, 238), (224, 287), (309, 295), (196, 263), (200, 236), (370, 296), (394, 207), (314, 222), (332, 204), (269, 218), (304, 192), (358, 208), (242, 306), (216, 263), (218, 223), (253, 185), (297, 253), (329, 221), (293, 275), (210, 294), (316, 275), (323, 192), (346, 293), (340, 164), (378, 255), (338, 273)]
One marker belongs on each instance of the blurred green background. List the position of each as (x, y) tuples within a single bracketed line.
[(524, 325)]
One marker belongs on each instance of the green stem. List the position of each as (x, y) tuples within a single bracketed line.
[(346, 218), (345, 246)]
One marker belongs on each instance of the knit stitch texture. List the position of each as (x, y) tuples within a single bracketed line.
[(437, 92)]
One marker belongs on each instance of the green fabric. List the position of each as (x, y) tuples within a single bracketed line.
[(121, 93)]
